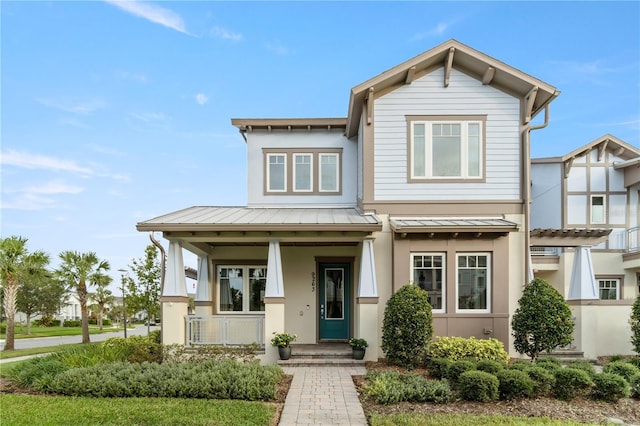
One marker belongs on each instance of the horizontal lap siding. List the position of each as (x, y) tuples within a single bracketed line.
[(464, 96)]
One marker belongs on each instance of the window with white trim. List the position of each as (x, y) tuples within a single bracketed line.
[(609, 289), (303, 172), (241, 288), (277, 172), (446, 149), (329, 172), (473, 289), (428, 271), (597, 209)]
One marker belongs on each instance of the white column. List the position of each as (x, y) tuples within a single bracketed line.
[(583, 282), (275, 283), (368, 286), (203, 291), (174, 299), (367, 306), (274, 302), (175, 282)]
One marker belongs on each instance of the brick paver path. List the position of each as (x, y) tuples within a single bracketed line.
[(322, 396)]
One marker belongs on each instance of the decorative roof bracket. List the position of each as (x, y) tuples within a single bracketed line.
[(488, 75), (602, 148), (567, 167), (530, 99), (448, 64), (370, 105), (411, 74)]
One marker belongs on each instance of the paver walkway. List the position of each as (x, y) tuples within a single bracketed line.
[(323, 396)]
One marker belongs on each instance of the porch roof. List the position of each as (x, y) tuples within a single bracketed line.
[(568, 237), (451, 224), (208, 218)]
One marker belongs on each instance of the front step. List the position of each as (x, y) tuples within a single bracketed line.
[(321, 355), (568, 355)]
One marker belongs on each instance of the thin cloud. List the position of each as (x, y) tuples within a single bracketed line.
[(52, 188), (73, 122), (201, 98), (29, 202), (130, 76), (277, 48), (25, 160), (225, 34), (148, 117), (438, 30), (153, 13), (598, 71), (75, 107)]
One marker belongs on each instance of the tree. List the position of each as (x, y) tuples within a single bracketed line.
[(102, 296), (144, 290), (78, 271), (13, 251), (542, 320), (407, 326), (635, 325), (36, 286)]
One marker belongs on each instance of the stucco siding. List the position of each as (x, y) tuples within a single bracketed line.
[(464, 96)]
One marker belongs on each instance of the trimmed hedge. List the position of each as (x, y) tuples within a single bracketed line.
[(455, 348), (622, 368), (514, 384), (490, 366), (571, 382), (585, 366), (543, 380), (391, 387), (438, 367), (477, 385), (610, 387), (457, 368)]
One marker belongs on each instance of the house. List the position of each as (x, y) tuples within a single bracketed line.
[(585, 241), (425, 182)]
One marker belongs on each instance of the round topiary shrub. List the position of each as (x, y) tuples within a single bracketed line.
[(477, 385), (542, 320), (549, 363), (520, 365), (543, 380), (438, 367), (585, 366), (514, 384), (635, 386), (490, 366), (407, 326), (610, 387), (457, 368), (570, 383), (621, 368)]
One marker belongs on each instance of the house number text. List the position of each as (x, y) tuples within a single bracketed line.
[(313, 282)]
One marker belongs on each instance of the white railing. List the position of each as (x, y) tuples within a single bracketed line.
[(545, 251), (225, 330), (633, 240)]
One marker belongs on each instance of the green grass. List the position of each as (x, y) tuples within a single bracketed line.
[(34, 351), (20, 331), (462, 419), (27, 410)]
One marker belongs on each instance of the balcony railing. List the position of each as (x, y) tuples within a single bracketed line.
[(545, 251), (633, 240), (225, 330)]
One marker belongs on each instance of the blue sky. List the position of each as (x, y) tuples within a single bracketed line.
[(113, 113)]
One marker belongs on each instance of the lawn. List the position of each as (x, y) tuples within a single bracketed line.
[(27, 410), (463, 419), (21, 331)]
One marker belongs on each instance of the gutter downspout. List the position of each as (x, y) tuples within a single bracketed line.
[(163, 257), (527, 190)]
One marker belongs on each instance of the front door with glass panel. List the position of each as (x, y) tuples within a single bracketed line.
[(333, 303)]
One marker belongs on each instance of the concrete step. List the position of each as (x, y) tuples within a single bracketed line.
[(568, 355), (320, 362), (322, 354)]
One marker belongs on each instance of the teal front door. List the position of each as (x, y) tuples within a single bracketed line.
[(334, 300)]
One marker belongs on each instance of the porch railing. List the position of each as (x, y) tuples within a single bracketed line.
[(633, 240), (545, 251), (225, 330)]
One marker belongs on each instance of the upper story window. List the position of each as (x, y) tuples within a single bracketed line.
[(276, 172), (428, 272), (241, 288), (474, 282), (296, 171), (609, 289), (448, 148), (597, 209)]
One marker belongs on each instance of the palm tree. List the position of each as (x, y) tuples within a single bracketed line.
[(102, 295), (13, 250), (77, 270)]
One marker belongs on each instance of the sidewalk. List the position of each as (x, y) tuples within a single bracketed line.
[(323, 396)]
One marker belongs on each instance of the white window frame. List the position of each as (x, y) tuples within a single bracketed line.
[(269, 156), (464, 149), (443, 290), (488, 284), (245, 288), (609, 281), (604, 209), (295, 174), (337, 180)]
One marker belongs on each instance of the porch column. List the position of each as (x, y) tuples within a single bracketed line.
[(203, 292), (582, 289), (367, 325), (273, 301), (174, 298)]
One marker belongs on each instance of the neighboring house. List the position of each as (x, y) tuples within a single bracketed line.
[(425, 182), (584, 220)]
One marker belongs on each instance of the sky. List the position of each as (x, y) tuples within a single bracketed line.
[(113, 112)]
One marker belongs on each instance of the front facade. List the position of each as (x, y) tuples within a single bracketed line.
[(423, 183)]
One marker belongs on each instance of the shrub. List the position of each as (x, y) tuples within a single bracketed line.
[(392, 387), (135, 348), (490, 366), (458, 367), (407, 326), (514, 384), (621, 368), (477, 385), (585, 366), (28, 373), (610, 387), (455, 348), (635, 325), (438, 367), (543, 380), (549, 363), (72, 323), (570, 383), (635, 386), (542, 320), (520, 365)]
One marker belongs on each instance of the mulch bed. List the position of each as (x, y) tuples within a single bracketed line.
[(579, 409)]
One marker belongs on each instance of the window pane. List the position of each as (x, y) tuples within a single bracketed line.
[(277, 173), (608, 289), (474, 149), (429, 277), (328, 172), (302, 172), (334, 293), (473, 282), (231, 289), (257, 286), (446, 151), (597, 210), (419, 153)]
